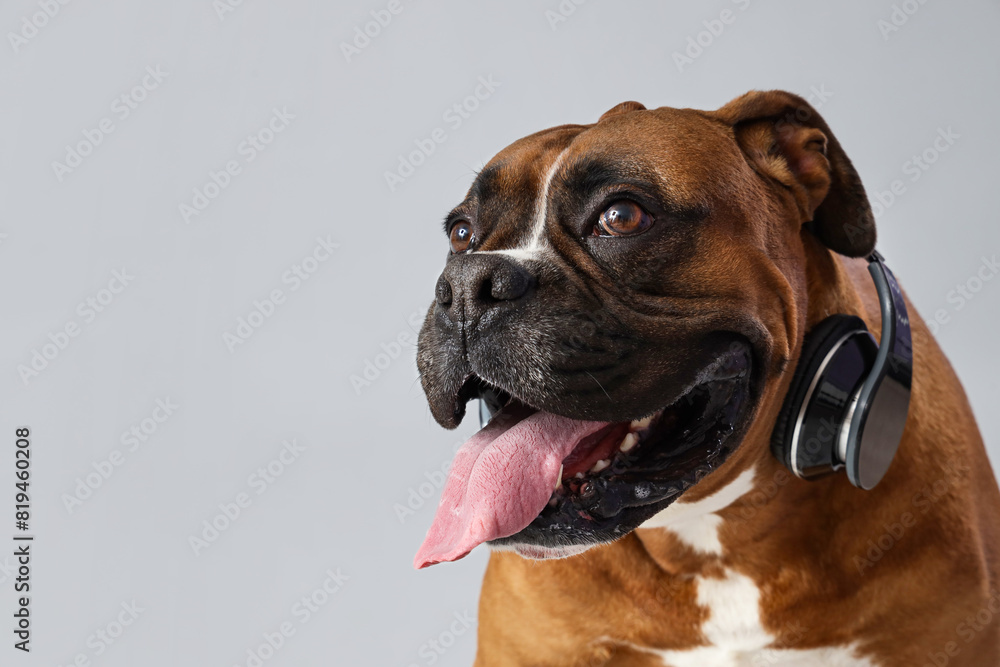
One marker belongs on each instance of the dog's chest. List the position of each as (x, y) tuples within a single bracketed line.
[(733, 630), (736, 637)]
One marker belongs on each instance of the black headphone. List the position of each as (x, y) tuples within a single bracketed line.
[(849, 397)]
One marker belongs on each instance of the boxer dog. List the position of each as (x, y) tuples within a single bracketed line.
[(631, 299)]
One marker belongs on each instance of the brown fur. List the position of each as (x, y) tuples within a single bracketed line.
[(798, 541)]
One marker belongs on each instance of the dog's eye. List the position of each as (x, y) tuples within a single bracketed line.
[(461, 236), (623, 218)]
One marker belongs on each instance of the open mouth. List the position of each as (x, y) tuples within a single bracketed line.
[(547, 486)]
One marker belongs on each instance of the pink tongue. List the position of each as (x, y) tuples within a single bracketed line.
[(500, 480)]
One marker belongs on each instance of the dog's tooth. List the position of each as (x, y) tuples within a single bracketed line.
[(630, 441), (579, 475), (559, 478), (638, 424), (600, 465)]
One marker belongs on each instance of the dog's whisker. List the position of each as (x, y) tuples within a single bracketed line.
[(600, 385)]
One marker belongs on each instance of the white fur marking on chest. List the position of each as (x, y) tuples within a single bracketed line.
[(734, 606), (710, 656), (734, 630), (737, 638), (697, 523)]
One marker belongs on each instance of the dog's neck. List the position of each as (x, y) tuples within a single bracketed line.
[(737, 514)]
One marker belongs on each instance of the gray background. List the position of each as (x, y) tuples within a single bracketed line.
[(367, 447)]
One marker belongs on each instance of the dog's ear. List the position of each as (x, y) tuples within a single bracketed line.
[(624, 107), (785, 139)]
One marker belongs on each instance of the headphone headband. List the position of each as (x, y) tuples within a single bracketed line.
[(885, 393)]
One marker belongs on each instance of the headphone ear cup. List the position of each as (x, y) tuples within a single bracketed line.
[(816, 346)]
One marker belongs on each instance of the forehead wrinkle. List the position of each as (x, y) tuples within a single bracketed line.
[(484, 181), (512, 170), (490, 182), (512, 193), (587, 173)]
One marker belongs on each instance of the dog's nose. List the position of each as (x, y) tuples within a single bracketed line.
[(473, 284)]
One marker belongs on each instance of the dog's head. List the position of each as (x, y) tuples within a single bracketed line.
[(619, 293)]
